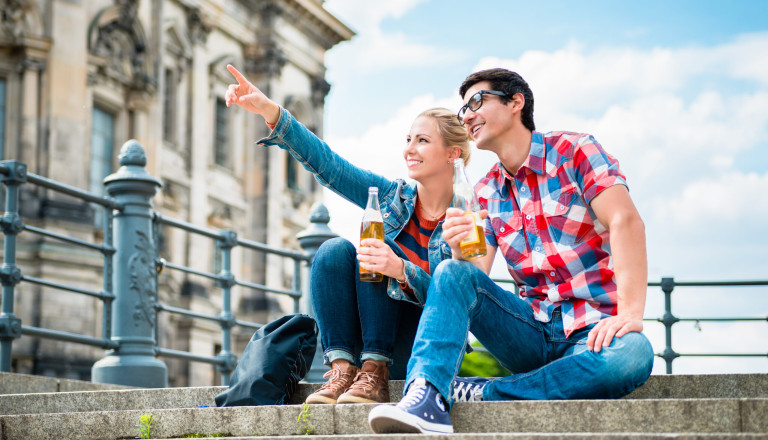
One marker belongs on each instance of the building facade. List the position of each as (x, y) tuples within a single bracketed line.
[(80, 77)]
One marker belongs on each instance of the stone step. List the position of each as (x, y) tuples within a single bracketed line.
[(523, 436), (657, 387), (13, 383), (690, 416)]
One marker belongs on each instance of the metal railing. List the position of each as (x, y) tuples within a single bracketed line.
[(131, 265), (130, 273), (669, 319)]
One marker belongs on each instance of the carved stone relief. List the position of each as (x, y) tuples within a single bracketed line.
[(116, 35)]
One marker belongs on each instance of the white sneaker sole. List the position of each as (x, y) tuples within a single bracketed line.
[(391, 419)]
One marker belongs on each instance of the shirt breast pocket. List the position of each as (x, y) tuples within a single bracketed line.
[(508, 230), (567, 217)]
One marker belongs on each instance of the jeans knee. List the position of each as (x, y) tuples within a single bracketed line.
[(452, 269), (631, 361), (332, 250)]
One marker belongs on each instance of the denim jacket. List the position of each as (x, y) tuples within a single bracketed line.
[(397, 198)]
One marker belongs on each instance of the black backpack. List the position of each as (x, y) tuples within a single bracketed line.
[(274, 361)]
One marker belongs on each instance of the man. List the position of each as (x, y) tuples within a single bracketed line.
[(559, 211)]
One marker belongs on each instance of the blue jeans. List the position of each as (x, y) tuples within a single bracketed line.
[(545, 364), (358, 320)]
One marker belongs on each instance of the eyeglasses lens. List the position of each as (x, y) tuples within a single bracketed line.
[(475, 101)]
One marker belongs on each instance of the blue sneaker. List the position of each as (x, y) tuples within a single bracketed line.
[(468, 389), (422, 410)]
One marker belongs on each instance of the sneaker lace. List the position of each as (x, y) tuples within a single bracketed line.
[(469, 394), (336, 379), (414, 395)]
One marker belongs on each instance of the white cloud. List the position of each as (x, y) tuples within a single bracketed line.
[(370, 14), (376, 50)]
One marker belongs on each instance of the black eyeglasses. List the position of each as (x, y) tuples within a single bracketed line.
[(475, 102)]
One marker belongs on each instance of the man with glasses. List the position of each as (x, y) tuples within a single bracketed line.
[(559, 211)]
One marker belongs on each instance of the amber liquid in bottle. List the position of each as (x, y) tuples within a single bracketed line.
[(371, 229), (372, 226), (473, 245)]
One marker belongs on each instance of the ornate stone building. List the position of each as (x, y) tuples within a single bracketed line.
[(80, 77)]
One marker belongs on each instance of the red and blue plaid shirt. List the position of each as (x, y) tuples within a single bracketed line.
[(556, 249)]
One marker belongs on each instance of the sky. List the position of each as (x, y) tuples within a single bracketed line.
[(677, 91)]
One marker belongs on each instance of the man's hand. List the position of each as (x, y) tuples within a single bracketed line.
[(617, 326), (456, 227)]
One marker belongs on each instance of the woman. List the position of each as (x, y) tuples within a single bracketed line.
[(361, 322)]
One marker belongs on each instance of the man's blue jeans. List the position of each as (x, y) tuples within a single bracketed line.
[(358, 320), (545, 364)]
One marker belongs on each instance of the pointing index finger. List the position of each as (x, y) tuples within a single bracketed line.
[(238, 76)]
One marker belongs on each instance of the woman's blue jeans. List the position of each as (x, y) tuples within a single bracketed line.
[(357, 319), (546, 364)]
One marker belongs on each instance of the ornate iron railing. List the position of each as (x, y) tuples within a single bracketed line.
[(130, 269)]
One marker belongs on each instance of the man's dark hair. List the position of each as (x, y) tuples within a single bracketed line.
[(508, 82)]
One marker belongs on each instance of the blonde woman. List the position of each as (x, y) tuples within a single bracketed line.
[(367, 329)]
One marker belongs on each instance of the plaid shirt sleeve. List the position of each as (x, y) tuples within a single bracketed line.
[(595, 169)]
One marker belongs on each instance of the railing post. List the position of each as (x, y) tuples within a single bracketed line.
[(669, 355), (310, 240), (227, 281), (134, 316), (13, 174)]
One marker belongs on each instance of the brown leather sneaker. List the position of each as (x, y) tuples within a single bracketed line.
[(338, 382), (371, 385)]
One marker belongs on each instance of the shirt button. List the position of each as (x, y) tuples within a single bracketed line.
[(538, 249), (562, 206), (528, 217), (552, 274), (522, 189), (502, 229), (386, 215)]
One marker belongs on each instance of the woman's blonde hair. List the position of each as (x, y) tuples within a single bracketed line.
[(453, 133)]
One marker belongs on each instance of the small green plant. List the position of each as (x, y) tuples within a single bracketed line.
[(145, 425), (304, 418)]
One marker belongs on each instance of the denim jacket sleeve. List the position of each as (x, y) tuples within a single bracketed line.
[(416, 278), (330, 169)]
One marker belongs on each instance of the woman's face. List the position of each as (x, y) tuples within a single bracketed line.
[(425, 153)]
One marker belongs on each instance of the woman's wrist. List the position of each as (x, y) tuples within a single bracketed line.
[(403, 278), (272, 115)]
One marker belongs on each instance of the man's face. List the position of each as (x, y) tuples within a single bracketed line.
[(490, 121)]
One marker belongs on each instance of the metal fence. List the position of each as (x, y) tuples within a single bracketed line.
[(130, 273), (669, 319), (130, 277)]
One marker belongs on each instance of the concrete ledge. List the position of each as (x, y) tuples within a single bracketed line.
[(690, 416), (14, 383), (703, 386)]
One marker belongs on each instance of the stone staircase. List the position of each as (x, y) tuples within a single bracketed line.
[(667, 407)]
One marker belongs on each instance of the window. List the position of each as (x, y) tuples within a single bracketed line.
[(221, 135), (291, 178), (2, 118), (102, 147), (169, 107)]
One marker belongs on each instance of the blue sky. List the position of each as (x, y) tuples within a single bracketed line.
[(676, 90)]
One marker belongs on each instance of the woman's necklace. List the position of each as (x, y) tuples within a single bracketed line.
[(424, 211)]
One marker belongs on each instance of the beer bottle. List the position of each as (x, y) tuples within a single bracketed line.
[(372, 227), (464, 198)]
